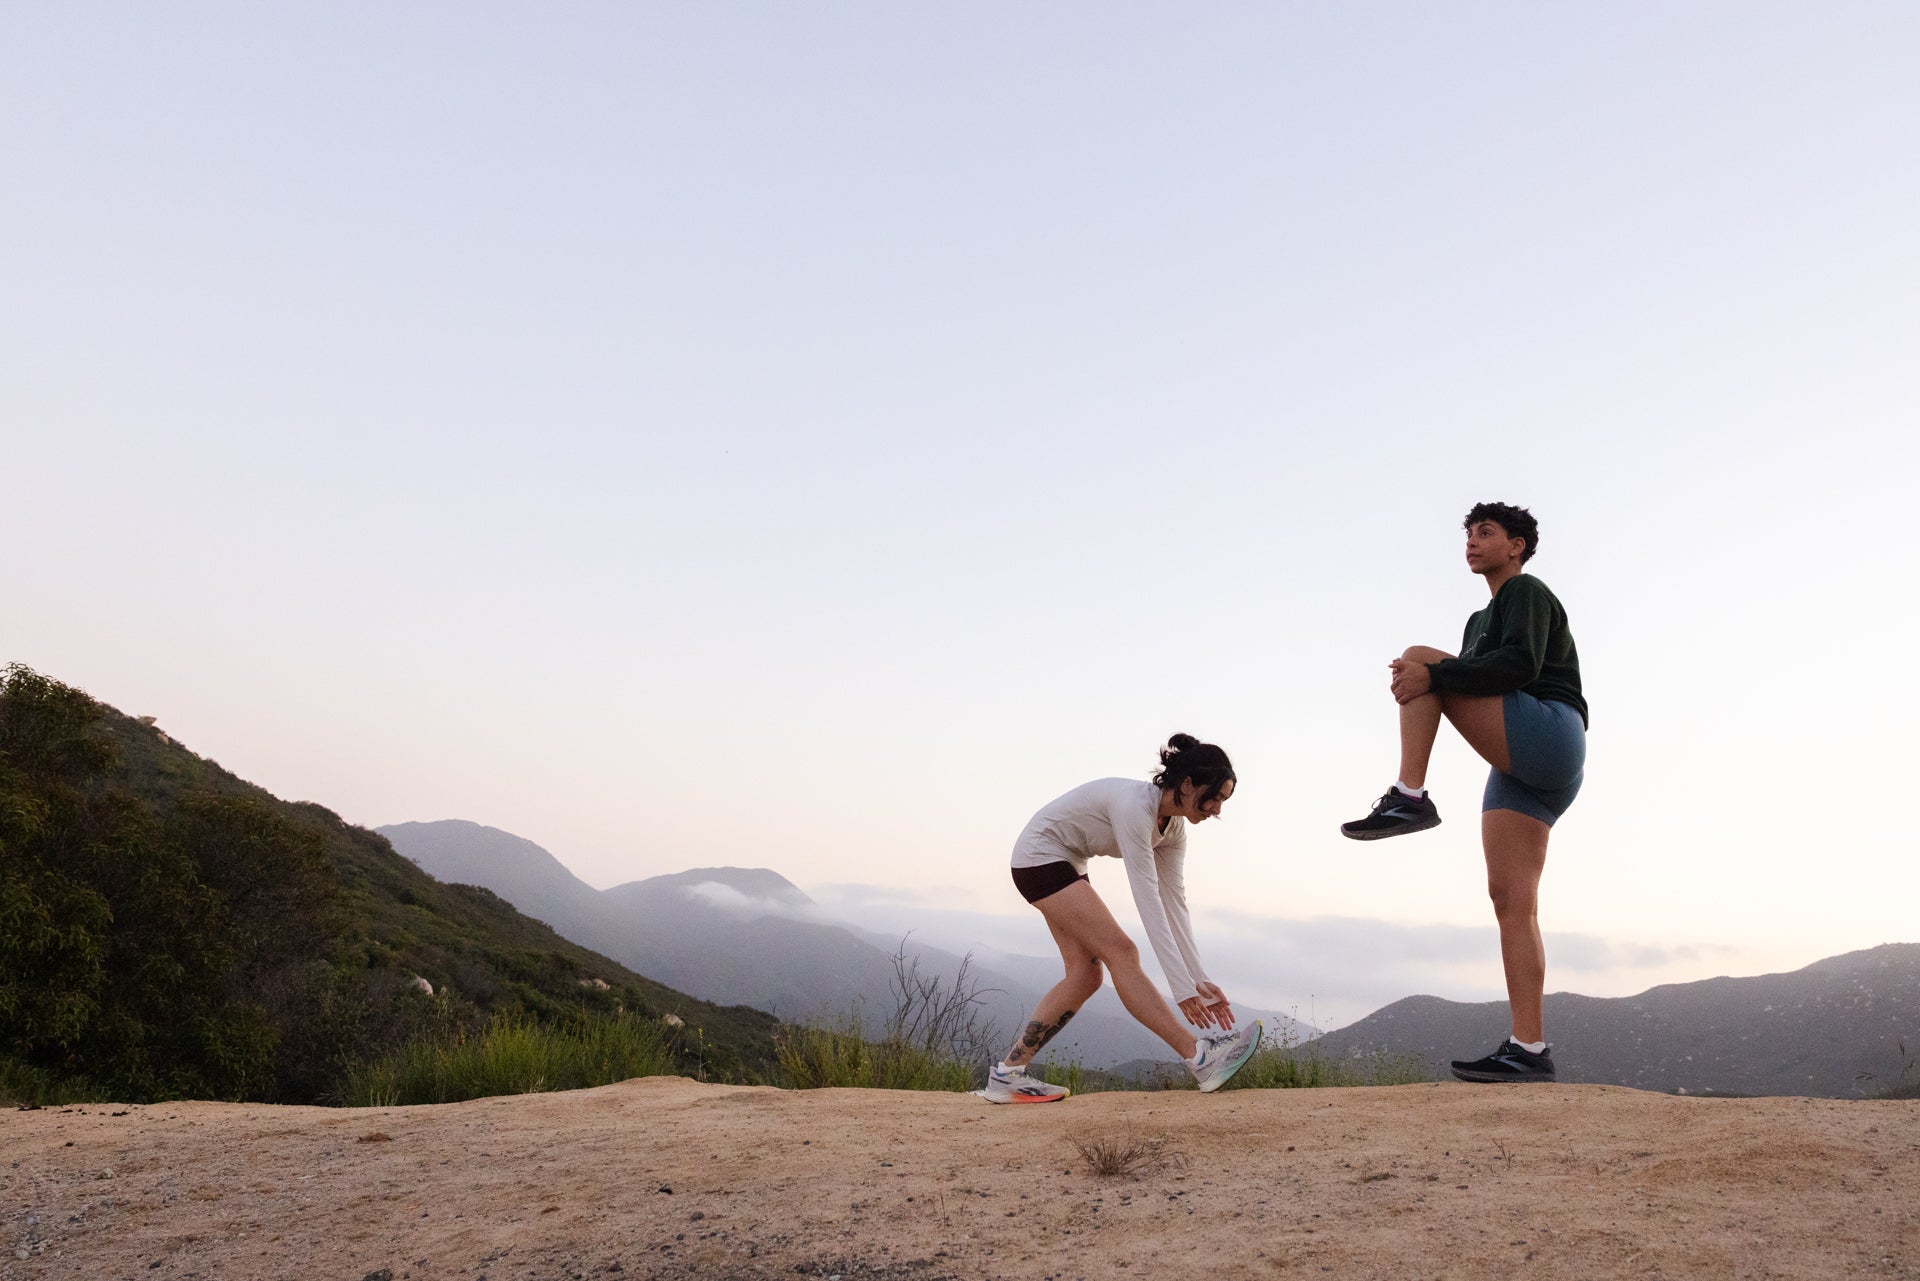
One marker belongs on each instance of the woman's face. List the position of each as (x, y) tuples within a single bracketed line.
[(1193, 809), (1491, 550)]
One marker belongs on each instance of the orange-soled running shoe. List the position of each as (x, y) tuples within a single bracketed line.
[(1013, 1085)]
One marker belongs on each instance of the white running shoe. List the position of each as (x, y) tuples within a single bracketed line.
[(1013, 1085), (1222, 1054)]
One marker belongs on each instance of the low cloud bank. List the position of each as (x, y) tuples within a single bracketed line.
[(737, 902)]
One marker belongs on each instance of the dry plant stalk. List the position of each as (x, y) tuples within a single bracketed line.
[(1128, 1154)]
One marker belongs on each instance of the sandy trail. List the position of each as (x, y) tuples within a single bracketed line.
[(671, 1178)]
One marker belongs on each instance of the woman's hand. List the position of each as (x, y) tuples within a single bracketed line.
[(1410, 680), (1209, 1009)]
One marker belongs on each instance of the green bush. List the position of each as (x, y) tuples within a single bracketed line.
[(514, 1056), (1081, 1079), (816, 1056), (934, 1038), (1283, 1064), (1907, 1084), (1303, 1068), (1072, 1074), (26, 1087), (1280, 1064)]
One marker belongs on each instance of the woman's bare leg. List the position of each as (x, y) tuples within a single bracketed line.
[(1516, 847), (1062, 1001), (1077, 915), (1515, 843), (1419, 726), (1481, 720)]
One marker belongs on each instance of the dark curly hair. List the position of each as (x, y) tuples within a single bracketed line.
[(1517, 521), (1185, 758)]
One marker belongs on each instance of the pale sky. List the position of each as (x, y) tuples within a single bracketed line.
[(814, 436)]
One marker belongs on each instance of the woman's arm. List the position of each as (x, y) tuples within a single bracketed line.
[(1208, 1007), (1135, 837), (1513, 657), (1170, 862)]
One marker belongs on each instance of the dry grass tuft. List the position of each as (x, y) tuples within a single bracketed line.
[(1128, 1154)]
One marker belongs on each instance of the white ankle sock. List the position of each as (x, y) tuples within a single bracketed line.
[(1531, 1047), (1403, 789)]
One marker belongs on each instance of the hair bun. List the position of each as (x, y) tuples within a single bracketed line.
[(1186, 757)]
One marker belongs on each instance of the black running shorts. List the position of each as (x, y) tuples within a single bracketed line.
[(1036, 883)]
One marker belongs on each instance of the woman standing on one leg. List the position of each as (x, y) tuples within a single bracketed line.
[(1144, 824), (1514, 695)]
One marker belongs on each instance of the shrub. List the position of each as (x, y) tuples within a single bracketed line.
[(1128, 1154), (29, 1087), (514, 1056), (934, 1039), (1285, 1063), (1907, 1084), (1081, 1079), (1301, 1067), (818, 1057)]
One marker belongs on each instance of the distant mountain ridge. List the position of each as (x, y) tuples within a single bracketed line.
[(1831, 1029), (663, 924), (742, 936)]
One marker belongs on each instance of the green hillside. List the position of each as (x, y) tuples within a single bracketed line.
[(169, 930)]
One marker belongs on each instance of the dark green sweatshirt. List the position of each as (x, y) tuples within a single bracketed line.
[(1519, 641)]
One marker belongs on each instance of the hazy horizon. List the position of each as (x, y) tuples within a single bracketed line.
[(1326, 971)]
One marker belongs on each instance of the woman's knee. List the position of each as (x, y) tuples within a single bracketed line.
[(1087, 976), (1513, 900), (1424, 654), (1120, 953)]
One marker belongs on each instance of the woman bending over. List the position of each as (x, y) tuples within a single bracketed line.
[(1144, 824)]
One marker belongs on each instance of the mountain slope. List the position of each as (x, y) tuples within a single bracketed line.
[(1832, 1029), (173, 929)]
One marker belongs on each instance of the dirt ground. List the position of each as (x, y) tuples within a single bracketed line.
[(671, 1178)]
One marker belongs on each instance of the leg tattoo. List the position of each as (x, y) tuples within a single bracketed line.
[(1035, 1037)]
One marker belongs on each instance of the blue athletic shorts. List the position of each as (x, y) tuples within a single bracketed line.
[(1547, 747)]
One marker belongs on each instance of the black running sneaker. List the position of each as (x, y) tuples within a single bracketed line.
[(1510, 1062), (1394, 814)]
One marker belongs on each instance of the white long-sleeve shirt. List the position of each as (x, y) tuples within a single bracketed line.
[(1120, 818)]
